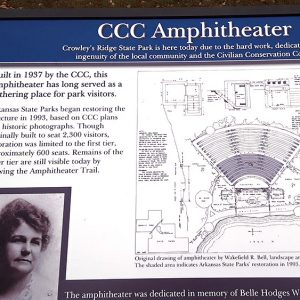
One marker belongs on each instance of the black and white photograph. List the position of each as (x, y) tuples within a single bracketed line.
[(30, 245)]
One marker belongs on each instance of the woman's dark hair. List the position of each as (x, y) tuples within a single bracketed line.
[(18, 211)]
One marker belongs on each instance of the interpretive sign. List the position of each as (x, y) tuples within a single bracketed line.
[(150, 154)]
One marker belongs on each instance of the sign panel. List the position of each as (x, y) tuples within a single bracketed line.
[(154, 158)]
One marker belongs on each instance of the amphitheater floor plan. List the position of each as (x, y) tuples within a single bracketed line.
[(218, 164)]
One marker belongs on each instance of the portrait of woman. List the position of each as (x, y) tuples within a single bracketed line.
[(24, 238)]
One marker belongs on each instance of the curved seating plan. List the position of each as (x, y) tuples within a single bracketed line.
[(248, 150)]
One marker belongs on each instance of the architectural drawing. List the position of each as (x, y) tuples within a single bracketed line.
[(184, 93), (231, 174), (237, 94)]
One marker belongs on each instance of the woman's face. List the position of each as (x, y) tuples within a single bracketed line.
[(23, 249)]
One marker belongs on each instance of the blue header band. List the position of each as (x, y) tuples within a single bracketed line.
[(151, 40)]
